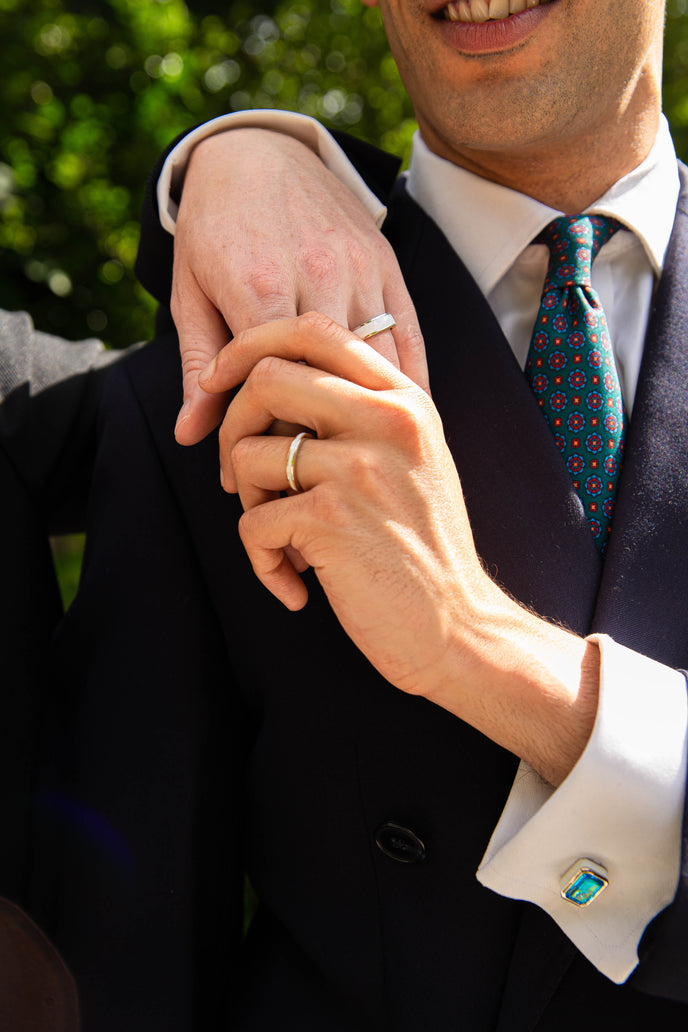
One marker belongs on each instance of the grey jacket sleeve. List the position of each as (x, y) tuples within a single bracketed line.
[(49, 394)]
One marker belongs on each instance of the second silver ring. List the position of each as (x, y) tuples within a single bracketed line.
[(291, 460)]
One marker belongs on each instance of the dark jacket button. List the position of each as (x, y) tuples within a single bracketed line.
[(399, 843)]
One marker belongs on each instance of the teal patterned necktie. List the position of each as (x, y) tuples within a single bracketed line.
[(572, 371)]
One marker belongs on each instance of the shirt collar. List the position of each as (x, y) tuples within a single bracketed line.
[(491, 225)]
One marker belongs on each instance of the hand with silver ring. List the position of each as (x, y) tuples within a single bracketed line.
[(385, 529), (292, 479), (265, 231)]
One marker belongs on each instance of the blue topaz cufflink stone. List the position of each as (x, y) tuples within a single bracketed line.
[(583, 882)]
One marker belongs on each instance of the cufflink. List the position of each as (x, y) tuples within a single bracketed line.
[(583, 882)]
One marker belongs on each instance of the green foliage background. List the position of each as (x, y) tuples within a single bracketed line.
[(91, 92)]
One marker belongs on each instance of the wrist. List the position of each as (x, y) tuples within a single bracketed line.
[(529, 685)]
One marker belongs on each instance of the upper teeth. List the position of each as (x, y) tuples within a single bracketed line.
[(486, 10)]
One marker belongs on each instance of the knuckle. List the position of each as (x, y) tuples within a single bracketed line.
[(194, 359), (406, 419), (263, 561), (362, 466), (329, 507), (362, 264), (413, 340), (320, 266), (245, 527), (413, 335), (316, 324), (267, 283), (239, 455), (264, 372)]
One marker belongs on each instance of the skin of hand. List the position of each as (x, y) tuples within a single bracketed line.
[(381, 519), (266, 232)]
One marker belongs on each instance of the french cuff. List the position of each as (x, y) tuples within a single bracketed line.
[(618, 814), (302, 127)]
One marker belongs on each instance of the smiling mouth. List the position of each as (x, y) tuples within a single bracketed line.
[(486, 10)]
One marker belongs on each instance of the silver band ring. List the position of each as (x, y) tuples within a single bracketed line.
[(374, 326), (291, 460)]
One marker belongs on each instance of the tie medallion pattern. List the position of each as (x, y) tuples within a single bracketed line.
[(572, 371)]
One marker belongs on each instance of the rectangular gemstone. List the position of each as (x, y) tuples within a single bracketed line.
[(584, 886)]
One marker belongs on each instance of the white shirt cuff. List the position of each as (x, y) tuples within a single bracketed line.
[(301, 127), (621, 807)]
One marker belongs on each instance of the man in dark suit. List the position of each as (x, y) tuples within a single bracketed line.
[(49, 390), (49, 395), (355, 754)]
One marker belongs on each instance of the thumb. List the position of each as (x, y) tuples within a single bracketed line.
[(202, 335)]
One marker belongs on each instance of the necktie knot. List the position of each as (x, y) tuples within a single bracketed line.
[(573, 242)]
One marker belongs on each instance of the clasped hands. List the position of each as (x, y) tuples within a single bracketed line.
[(382, 521), (264, 232), (381, 518)]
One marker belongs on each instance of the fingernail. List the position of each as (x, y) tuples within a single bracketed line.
[(183, 416), (208, 372)]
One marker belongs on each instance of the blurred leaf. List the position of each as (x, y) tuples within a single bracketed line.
[(93, 91)]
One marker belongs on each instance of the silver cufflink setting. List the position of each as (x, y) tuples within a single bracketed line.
[(583, 882)]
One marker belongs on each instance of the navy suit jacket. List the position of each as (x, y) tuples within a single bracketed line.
[(49, 392), (210, 732)]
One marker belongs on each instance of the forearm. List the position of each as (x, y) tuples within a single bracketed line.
[(529, 685), (306, 131)]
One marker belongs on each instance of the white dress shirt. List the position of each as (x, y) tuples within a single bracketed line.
[(491, 228), (622, 804)]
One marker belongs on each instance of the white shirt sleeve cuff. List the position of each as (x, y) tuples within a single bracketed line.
[(301, 127), (621, 807)]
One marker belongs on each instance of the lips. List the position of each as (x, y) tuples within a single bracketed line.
[(476, 11)]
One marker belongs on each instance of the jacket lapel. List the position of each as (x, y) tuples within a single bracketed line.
[(642, 599)]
